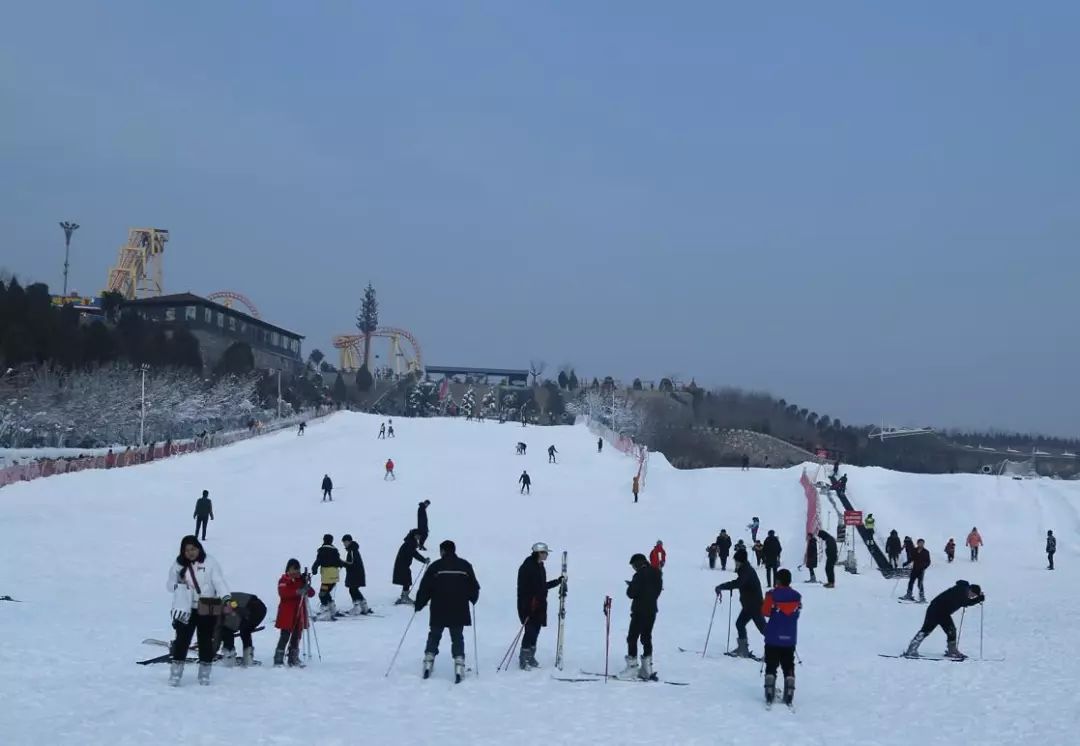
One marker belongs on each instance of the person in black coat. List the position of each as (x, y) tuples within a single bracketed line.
[(810, 560), (830, 558), (751, 598), (327, 488), (450, 585), (909, 549), (920, 560), (248, 612), (532, 590), (204, 511), (526, 483), (893, 547), (422, 523), (328, 564), (723, 547), (403, 564), (355, 576), (939, 614), (643, 590), (770, 551)]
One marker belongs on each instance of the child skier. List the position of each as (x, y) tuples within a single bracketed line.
[(753, 526), (759, 550), (293, 591), (950, 550), (939, 614), (389, 470), (781, 606), (711, 551), (658, 556)]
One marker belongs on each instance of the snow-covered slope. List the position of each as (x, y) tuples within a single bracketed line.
[(88, 556)]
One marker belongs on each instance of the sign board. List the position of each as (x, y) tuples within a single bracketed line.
[(852, 517)]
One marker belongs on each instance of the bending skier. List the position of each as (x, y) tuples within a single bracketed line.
[(782, 605), (248, 612), (939, 614), (532, 590), (643, 590), (830, 558), (746, 580), (403, 565), (450, 585)]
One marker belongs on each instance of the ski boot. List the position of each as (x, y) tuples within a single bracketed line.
[(204, 673), (333, 610), (364, 608), (527, 659), (429, 664), (770, 689), (249, 658), (645, 672), (228, 659), (907, 597), (294, 659), (176, 672), (742, 649), (952, 651), (326, 613), (913, 646), (922, 597), (279, 657), (631, 669), (789, 690), (404, 599), (459, 669), (829, 585)]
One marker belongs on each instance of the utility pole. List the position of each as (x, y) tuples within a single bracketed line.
[(69, 228), (142, 418)]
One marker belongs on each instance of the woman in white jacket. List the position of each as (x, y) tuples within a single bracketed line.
[(199, 599)]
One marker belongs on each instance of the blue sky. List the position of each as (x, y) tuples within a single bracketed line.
[(868, 209)]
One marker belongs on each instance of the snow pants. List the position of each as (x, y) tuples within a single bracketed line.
[(712, 561), (746, 616), (935, 619), (916, 575), (1050, 556), (200, 523), (782, 657), (894, 560), (974, 554), (328, 495), (723, 561), (291, 638), (641, 627), (532, 632), (200, 626), (326, 593), (770, 571), (457, 641), (355, 594), (830, 575)]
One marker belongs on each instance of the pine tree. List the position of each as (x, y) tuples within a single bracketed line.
[(468, 402), (573, 381), (367, 322), (364, 379), (338, 393)]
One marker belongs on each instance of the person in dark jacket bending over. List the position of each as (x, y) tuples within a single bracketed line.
[(248, 613), (204, 511), (920, 560), (782, 606), (893, 547), (450, 585), (532, 590), (770, 552), (403, 565), (939, 614), (422, 523), (830, 558), (327, 488), (746, 580), (643, 590), (355, 576)]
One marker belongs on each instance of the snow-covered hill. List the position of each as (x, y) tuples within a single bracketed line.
[(88, 556)]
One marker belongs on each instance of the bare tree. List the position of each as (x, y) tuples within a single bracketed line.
[(536, 369)]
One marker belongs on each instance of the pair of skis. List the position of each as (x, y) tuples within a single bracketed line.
[(560, 639), (597, 676)]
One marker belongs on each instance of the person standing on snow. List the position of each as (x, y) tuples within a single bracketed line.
[(300, 430), (868, 524), (758, 549), (450, 585), (909, 549), (294, 590), (781, 606), (551, 454), (382, 431), (532, 590), (919, 562), (1051, 548), (200, 597), (328, 564), (422, 524), (390, 429), (658, 556), (974, 541), (939, 614), (204, 511), (355, 576), (723, 547), (327, 488), (950, 550), (390, 471), (830, 558), (753, 526), (643, 590), (711, 552), (635, 486), (403, 565), (526, 483), (599, 445), (770, 552), (810, 559), (746, 580), (893, 547)]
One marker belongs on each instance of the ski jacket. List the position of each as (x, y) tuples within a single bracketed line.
[(204, 508), (328, 564), (634, 485), (749, 585), (950, 548), (291, 608), (920, 560), (869, 523), (203, 577), (771, 550), (389, 464), (811, 553), (711, 551), (524, 479), (450, 585), (830, 545), (909, 549), (248, 613), (532, 590), (551, 450), (644, 589), (403, 562), (658, 557), (781, 607), (1051, 544), (723, 544), (952, 600), (355, 577), (327, 483), (421, 519), (754, 525), (893, 547), (974, 540)]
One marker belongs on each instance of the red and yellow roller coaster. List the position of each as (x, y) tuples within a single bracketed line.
[(403, 358)]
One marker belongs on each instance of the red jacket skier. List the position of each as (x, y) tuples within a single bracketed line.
[(390, 469), (658, 557), (292, 619)]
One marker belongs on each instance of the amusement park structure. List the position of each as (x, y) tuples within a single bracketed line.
[(139, 270), (228, 297), (404, 358)]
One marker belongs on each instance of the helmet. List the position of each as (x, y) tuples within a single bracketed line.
[(540, 547)]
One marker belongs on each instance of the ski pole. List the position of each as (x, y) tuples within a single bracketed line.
[(729, 624), (315, 636), (709, 633), (607, 635), (506, 658), (394, 659), (475, 653), (961, 630), (980, 631)]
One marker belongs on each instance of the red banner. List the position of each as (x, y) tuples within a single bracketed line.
[(812, 524)]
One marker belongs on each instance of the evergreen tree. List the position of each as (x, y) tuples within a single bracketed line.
[(368, 321), (573, 382), (564, 380), (364, 379), (339, 394), (468, 403)]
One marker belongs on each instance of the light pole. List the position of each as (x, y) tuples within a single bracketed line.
[(142, 418), (69, 228), (279, 393)]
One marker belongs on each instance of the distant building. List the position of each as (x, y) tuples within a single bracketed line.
[(497, 376), (218, 327)]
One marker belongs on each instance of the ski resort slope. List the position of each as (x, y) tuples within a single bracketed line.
[(88, 554)]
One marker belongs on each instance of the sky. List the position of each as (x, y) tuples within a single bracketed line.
[(868, 209)]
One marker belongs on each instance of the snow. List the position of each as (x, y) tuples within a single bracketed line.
[(88, 555)]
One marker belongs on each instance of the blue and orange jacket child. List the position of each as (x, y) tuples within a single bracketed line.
[(782, 606)]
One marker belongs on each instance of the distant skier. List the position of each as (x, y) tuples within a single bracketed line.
[(770, 551), (758, 548), (950, 550), (635, 486), (919, 562), (1051, 548), (939, 614), (643, 590), (830, 558), (782, 606), (292, 619), (754, 525), (300, 430), (893, 547), (810, 558), (909, 549), (745, 463), (868, 524), (450, 584), (248, 612), (723, 547), (551, 454), (520, 448), (204, 511), (390, 471), (327, 488), (382, 431), (390, 429), (328, 564), (599, 445), (658, 555), (746, 580), (526, 483), (403, 566), (532, 590), (974, 541), (422, 523), (711, 552), (355, 576), (836, 468)]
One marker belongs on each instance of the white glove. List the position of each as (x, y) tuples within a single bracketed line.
[(181, 616)]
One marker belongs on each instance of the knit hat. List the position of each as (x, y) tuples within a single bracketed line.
[(740, 556)]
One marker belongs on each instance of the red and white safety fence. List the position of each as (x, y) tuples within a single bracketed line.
[(624, 444)]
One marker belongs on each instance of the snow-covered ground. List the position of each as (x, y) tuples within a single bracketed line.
[(88, 555)]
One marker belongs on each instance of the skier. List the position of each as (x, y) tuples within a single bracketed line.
[(841, 487), (532, 589), (292, 619), (403, 566), (300, 430), (770, 552), (389, 470), (893, 548), (658, 556), (422, 523), (974, 541), (526, 483), (758, 546), (248, 611), (909, 549), (551, 454), (328, 564), (643, 590), (599, 445), (355, 577), (782, 605), (868, 524), (204, 511), (200, 595), (723, 547), (753, 526), (950, 550), (635, 486), (382, 431), (711, 552), (327, 488), (745, 463), (746, 580), (1051, 548), (450, 585), (830, 558), (919, 562), (939, 614), (520, 449), (390, 429), (810, 560), (836, 468)]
